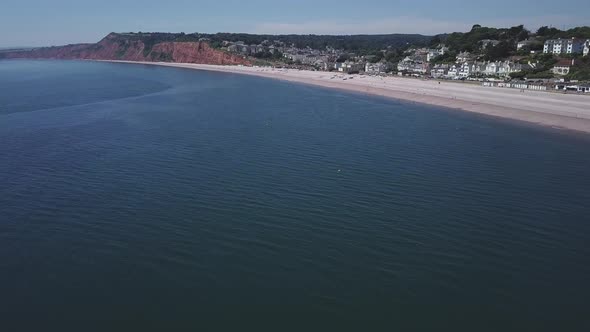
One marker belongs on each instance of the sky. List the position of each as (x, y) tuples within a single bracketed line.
[(59, 22)]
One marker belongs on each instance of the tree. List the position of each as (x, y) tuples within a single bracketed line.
[(435, 41), (518, 75), (518, 33), (394, 56), (546, 31), (501, 51), (448, 57), (545, 61), (581, 71), (343, 57)]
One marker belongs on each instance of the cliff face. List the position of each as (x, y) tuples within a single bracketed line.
[(133, 48)]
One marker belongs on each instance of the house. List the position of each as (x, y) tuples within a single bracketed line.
[(508, 67), (376, 68), (253, 49), (491, 69), (586, 51), (420, 55), (454, 71), (413, 66), (563, 66), (465, 70), (349, 67), (439, 70), (568, 46), (505, 68), (478, 68)]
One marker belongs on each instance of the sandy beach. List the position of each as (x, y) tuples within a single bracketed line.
[(568, 111)]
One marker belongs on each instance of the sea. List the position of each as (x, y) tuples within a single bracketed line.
[(137, 197)]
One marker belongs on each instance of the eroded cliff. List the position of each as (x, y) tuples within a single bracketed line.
[(134, 47)]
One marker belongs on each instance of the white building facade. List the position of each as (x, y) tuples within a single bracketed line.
[(560, 46)]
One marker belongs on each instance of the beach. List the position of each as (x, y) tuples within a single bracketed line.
[(567, 111)]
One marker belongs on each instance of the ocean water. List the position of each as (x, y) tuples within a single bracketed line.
[(139, 198)]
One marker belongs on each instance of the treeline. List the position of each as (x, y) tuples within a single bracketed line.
[(361, 44), (471, 41), (505, 46)]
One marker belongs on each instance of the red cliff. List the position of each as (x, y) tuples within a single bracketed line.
[(136, 48)]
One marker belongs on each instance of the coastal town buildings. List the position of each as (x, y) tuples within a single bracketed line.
[(319, 59), (474, 69), (561, 46), (418, 61), (413, 65)]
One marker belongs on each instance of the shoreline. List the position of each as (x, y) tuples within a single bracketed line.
[(554, 110)]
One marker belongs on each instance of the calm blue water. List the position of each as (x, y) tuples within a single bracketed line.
[(144, 198)]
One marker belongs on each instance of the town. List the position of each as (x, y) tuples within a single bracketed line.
[(521, 60)]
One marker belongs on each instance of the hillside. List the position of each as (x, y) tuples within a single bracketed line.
[(135, 47), (352, 43), (204, 48)]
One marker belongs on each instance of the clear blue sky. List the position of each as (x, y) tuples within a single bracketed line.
[(56, 22)]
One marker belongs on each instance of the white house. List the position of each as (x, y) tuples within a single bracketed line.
[(465, 70), (440, 70), (586, 47), (491, 68), (413, 66), (553, 46), (454, 71), (505, 68), (376, 68), (563, 66), (478, 68), (559, 46)]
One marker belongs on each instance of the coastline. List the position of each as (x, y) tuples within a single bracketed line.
[(537, 107)]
